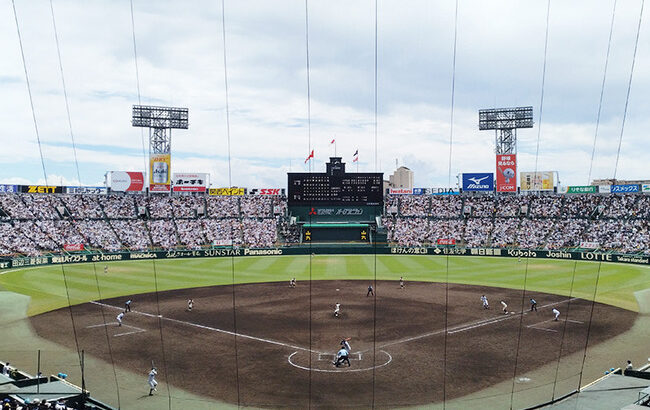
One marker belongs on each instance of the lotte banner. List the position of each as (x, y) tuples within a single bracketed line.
[(506, 173)]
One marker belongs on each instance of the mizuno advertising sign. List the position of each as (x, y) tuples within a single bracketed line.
[(481, 181)]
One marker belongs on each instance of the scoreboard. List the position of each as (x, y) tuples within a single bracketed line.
[(335, 187)]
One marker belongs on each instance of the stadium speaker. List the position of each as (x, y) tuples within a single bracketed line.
[(467, 210), (523, 210), (293, 220), (142, 211), (200, 210), (392, 210)]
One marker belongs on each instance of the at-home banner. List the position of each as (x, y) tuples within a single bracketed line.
[(506, 173), (536, 181), (159, 172), (478, 181), (127, 181), (193, 182)]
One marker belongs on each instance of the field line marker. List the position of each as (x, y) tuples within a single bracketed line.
[(214, 329)]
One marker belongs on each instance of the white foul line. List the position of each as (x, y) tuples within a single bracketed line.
[(214, 329)]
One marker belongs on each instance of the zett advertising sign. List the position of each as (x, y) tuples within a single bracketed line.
[(127, 181), (506, 173)]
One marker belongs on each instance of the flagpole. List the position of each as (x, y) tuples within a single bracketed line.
[(335, 147)]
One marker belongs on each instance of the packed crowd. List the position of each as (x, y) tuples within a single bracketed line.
[(619, 222), (33, 224)]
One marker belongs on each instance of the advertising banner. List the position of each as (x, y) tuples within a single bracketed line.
[(73, 247), (605, 189), (8, 188), (266, 191), (582, 189), (447, 241), (625, 188), (419, 191), (444, 191), (159, 172), (645, 188), (400, 191), (589, 245), (536, 181), (127, 181), (481, 181), (227, 191), (506, 173), (193, 182), (96, 190), (41, 189)]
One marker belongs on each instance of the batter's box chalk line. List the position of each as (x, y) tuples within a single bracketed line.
[(330, 357), (385, 357)]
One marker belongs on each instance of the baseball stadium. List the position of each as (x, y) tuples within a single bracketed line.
[(250, 264)]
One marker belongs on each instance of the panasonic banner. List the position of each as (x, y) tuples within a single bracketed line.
[(483, 181)]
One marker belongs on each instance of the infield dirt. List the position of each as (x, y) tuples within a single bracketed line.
[(286, 340)]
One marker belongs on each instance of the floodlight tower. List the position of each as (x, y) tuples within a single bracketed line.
[(159, 120), (504, 122)]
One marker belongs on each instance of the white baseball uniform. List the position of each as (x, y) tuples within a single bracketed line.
[(152, 379), (556, 313), (119, 318), (337, 309), (485, 301)]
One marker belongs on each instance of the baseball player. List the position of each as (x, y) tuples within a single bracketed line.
[(345, 343), (533, 305), (370, 291), (152, 381), (401, 282), (127, 306), (342, 356), (190, 304), (105, 269), (505, 307), (119, 318), (486, 305), (292, 283), (556, 313), (337, 309)]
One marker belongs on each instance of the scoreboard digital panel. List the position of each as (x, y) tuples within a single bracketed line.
[(335, 187)]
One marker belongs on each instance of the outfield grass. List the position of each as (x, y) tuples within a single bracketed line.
[(47, 285)]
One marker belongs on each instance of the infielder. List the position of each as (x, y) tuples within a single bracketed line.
[(533, 305), (485, 302), (190, 304), (505, 307), (341, 356), (119, 318), (152, 381), (370, 291), (127, 306), (292, 283), (337, 309), (556, 313), (105, 269), (401, 282)]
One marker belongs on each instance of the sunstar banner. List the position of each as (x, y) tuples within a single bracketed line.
[(506, 173), (536, 181), (127, 181), (159, 172), (481, 181), (190, 182)]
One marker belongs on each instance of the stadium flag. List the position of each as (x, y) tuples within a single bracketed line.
[(309, 156), (333, 141)]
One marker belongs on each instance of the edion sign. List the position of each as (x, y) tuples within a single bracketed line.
[(506, 172)]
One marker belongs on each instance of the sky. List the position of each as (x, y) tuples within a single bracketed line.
[(180, 60)]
